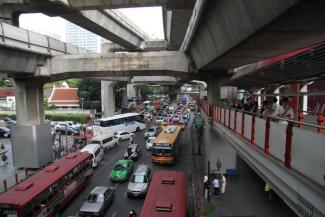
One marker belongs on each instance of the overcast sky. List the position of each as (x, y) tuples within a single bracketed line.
[(149, 19)]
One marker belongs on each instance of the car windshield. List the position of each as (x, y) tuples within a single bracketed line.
[(93, 198), (96, 142), (120, 167), (139, 179), (150, 140)]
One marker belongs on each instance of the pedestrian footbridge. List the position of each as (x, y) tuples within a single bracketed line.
[(288, 155)]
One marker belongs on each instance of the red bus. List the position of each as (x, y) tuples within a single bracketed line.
[(166, 196), (49, 190)]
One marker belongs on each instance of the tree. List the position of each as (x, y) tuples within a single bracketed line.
[(73, 83), (89, 91), (6, 83)]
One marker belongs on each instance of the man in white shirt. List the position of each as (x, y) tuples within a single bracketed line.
[(215, 185), (284, 111)]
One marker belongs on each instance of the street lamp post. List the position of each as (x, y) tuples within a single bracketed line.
[(82, 103)]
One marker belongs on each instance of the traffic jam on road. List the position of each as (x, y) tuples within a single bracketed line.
[(122, 171)]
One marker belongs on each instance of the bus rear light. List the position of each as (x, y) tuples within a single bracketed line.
[(164, 206)]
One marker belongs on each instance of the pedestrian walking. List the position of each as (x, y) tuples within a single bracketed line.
[(206, 186), (216, 187), (4, 159), (3, 146)]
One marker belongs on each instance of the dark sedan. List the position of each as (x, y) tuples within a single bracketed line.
[(5, 132)]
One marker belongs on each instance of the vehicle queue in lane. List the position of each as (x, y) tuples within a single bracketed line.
[(117, 173)]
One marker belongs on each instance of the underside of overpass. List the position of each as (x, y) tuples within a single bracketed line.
[(232, 34)]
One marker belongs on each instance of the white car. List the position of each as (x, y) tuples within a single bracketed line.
[(151, 131), (159, 120), (123, 135), (176, 118), (150, 142)]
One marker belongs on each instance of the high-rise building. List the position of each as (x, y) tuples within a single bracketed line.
[(82, 38)]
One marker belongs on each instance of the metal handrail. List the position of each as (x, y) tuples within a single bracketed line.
[(275, 117), (28, 42)]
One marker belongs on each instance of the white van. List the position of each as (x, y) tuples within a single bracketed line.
[(96, 151), (106, 142)]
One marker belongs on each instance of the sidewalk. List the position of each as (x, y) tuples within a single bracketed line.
[(244, 194), (8, 170)]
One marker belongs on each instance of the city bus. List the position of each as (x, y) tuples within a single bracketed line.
[(49, 190), (166, 196), (165, 147), (129, 122)]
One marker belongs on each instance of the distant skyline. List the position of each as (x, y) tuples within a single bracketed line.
[(149, 19)]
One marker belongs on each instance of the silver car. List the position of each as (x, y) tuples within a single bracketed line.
[(97, 201), (151, 131), (139, 182)]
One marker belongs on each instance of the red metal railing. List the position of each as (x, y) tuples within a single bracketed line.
[(226, 121)]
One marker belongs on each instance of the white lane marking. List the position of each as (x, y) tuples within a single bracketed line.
[(114, 214), (125, 194)]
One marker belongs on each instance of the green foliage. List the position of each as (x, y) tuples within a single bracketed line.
[(73, 83), (6, 83), (48, 107), (209, 208), (89, 93), (81, 118)]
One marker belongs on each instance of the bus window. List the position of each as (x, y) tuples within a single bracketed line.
[(8, 212), (140, 118), (96, 142)]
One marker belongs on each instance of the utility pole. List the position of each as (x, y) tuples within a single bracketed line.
[(209, 180)]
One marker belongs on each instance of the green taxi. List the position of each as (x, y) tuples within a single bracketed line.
[(122, 171)]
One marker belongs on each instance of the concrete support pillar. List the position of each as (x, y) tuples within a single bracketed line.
[(216, 92), (131, 90), (108, 98), (29, 102), (9, 15), (31, 136)]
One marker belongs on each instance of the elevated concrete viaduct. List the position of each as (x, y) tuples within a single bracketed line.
[(163, 63), (236, 33)]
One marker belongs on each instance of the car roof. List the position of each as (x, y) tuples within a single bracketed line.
[(152, 137), (90, 147), (141, 169), (99, 190)]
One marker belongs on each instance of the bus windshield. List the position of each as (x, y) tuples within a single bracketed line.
[(8, 212), (162, 152)]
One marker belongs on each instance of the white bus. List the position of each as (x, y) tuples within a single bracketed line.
[(129, 122)]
